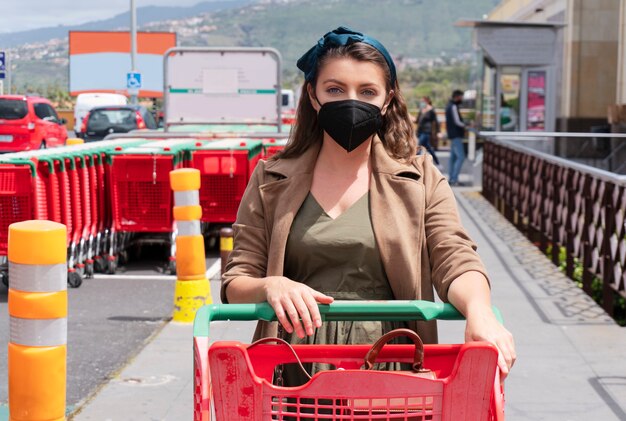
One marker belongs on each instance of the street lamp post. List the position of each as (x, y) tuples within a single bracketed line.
[(133, 44), (9, 73)]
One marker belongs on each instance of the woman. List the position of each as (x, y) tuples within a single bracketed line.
[(348, 211), (427, 126)]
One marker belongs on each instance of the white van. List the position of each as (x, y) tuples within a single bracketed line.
[(85, 102)]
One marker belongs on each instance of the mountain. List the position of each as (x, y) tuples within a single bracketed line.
[(145, 15), (412, 30)]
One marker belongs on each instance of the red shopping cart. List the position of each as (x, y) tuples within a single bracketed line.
[(17, 188), (235, 380), (225, 167), (141, 195)]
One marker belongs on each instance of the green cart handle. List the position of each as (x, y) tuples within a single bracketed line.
[(339, 310)]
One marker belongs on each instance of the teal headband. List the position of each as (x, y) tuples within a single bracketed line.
[(340, 37)]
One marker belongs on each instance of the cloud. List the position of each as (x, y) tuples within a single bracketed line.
[(31, 14)]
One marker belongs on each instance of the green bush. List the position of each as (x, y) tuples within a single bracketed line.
[(619, 309)]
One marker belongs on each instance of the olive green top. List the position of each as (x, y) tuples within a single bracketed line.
[(340, 258)]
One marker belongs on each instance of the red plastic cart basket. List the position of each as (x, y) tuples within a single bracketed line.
[(225, 167), (17, 193), (140, 187), (236, 381)]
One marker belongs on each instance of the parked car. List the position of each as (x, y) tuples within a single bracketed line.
[(103, 121), (29, 122), (85, 102)]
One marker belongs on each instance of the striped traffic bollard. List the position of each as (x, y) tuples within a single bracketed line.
[(192, 289), (226, 245), (38, 321), (73, 141)]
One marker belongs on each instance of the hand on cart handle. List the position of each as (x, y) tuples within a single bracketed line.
[(485, 327), (395, 310), (295, 304)]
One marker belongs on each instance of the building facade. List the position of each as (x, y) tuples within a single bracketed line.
[(556, 65), (589, 65)]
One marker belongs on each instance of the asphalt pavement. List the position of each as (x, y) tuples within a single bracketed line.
[(111, 318)]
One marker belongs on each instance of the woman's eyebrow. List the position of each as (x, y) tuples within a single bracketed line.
[(339, 82)]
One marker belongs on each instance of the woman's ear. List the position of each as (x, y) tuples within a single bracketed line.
[(312, 98), (387, 102)]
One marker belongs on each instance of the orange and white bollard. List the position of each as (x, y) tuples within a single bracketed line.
[(226, 245), (38, 321), (73, 141), (192, 289)]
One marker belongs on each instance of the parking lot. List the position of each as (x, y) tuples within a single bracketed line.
[(111, 317)]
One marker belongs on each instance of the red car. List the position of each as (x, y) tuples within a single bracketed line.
[(29, 122)]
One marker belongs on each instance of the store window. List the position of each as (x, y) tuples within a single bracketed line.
[(510, 88), (536, 100), (488, 98)]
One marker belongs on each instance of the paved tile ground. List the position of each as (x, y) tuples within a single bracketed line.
[(571, 362)]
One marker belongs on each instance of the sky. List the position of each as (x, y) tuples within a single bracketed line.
[(21, 15)]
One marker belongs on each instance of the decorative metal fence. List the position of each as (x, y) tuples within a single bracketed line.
[(560, 203)]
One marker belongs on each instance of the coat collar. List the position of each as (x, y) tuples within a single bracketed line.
[(304, 164), (382, 163)]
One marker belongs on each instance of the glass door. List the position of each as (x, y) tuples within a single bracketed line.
[(537, 105), (509, 98)]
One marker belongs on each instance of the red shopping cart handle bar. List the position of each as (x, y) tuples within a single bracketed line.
[(396, 310)]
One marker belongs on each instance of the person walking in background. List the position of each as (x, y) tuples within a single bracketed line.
[(455, 126), (427, 126)]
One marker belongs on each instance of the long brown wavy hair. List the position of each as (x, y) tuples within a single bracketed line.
[(396, 134)]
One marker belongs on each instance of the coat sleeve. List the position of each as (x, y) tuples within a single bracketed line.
[(249, 254), (450, 249)]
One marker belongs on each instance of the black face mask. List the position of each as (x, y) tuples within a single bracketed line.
[(350, 122)]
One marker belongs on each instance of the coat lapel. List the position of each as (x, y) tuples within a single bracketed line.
[(282, 199), (397, 211)]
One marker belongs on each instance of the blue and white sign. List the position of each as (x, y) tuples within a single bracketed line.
[(133, 81), (2, 61)]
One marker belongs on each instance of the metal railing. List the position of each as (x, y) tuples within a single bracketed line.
[(559, 203)]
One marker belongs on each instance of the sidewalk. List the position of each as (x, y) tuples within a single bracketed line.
[(158, 383), (570, 366)]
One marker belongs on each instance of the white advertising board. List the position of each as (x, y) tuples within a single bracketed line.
[(222, 85)]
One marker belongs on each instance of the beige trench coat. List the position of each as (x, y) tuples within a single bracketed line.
[(414, 217)]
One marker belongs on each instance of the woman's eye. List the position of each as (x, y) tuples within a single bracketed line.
[(333, 90), (369, 92)]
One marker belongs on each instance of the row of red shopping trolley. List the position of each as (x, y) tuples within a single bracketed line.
[(64, 185), (142, 200), (114, 192)]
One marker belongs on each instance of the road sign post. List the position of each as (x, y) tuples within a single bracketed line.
[(133, 83), (5, 72), (3, 68)]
